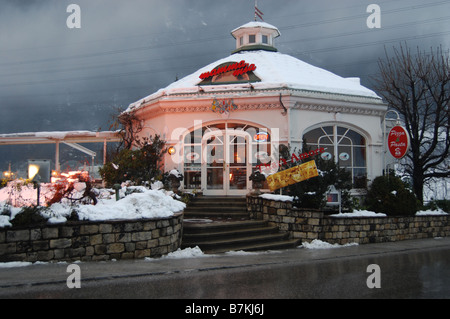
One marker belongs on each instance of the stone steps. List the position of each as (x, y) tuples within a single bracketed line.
[(221, 224), (217, 207)]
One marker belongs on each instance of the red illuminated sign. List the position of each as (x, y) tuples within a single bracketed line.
[(398, 141), (238, 68)]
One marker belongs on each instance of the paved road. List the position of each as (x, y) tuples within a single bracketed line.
[(407, 269)]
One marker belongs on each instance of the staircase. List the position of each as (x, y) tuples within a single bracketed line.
[(221, 224)]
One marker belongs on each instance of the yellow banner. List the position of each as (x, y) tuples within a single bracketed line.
[(292, 175)]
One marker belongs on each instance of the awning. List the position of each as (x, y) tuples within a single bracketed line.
[(71, 138)]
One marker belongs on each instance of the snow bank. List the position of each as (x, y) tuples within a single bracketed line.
[(359, 213), (318, 244), (196, 252), (282, 198), (13, 264), (149, 204), (431, 212), (189, 252), (146, 203), (366, 213)]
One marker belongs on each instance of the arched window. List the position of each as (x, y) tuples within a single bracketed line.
[(343, 145)]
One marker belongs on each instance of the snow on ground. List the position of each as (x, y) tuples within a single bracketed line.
[(143, 203), (189, 252), (318, 244), (13, 264), (196, 252)]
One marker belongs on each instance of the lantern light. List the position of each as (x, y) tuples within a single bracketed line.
[(171, 150)]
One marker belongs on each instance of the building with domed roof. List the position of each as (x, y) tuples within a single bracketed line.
[(230, 118)]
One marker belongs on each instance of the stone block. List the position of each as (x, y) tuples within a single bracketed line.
[(164, 241), (140, 236), (151, 225), (50, 233), (115, 248), (45, 255), (122, 237), (100, 257), (155, 233), (88, 229), (96, 239), (7, 248), (134, 227), (69, 231), (61, 243), (130, 246), (142, 253), (108, 238), (90, 251), (162, 223), (105, 228), (100, 249), (40, 245), (127, 255), (58, 253), (288, 220), (141, 245), (81, 241), (35, 234), (17, 235), (152, 243)]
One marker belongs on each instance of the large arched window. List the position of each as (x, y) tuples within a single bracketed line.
[(343, 145)]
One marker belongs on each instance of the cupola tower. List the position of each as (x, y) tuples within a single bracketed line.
[(255, 36)]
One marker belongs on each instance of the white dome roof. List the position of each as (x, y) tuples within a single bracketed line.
[(276, 71)]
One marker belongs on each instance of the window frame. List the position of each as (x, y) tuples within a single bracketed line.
[(341, 137)]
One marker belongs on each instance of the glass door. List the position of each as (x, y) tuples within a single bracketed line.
[(237, 162), (213, 166), (225, 162)]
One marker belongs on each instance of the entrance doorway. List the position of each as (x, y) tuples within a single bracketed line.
[(225, 167), (218, 159)]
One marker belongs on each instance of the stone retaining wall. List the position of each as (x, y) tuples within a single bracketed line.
[(86, 241), (308, 225)]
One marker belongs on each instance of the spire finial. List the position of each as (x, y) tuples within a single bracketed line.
[(258, 13)]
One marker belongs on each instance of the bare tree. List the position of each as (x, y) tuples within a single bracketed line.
[(418, 87), (128, 125)]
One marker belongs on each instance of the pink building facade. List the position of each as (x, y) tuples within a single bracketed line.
[(231, 117)]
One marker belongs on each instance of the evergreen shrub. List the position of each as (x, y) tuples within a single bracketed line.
[(390, 195)]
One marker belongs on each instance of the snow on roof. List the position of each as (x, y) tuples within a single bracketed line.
[(256, 24), (73, 136), (276, 70)]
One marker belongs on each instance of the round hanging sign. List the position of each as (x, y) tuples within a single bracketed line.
[(398, 141)]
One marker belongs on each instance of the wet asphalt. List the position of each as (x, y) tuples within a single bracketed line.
[(407, 269)]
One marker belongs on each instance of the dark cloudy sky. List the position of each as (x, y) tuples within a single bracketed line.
[(56, 78)]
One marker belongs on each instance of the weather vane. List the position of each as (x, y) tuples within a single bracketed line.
[(258, 13)]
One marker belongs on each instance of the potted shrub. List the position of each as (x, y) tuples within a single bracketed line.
[(258, 180)]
